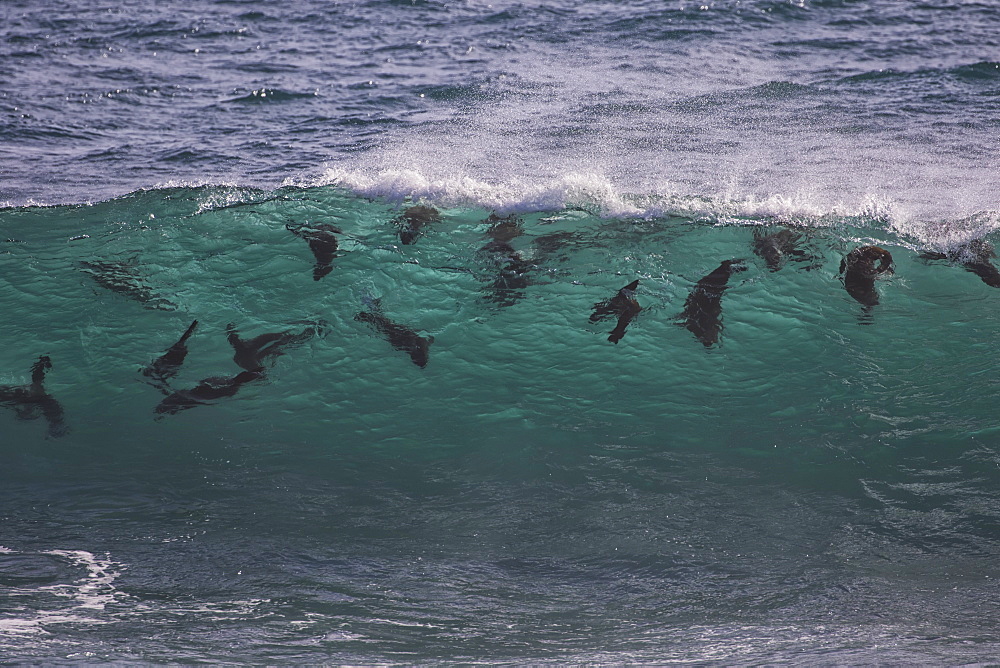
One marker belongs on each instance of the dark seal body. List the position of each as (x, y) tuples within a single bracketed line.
[(860, 269), (166, 366), (33, 400), (205, 392), (399, 336), (413, 220), (252, 354), (322, 242), (976, 256), (624, 305), (512, 269), (702, 314)]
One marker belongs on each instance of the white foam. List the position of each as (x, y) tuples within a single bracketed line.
[(595, 193), (85, 597)]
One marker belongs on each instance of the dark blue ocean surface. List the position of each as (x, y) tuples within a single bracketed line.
[(401, 431)]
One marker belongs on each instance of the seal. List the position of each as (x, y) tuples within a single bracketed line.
[(976, 257), (32, 401), (251, 354), (205, 392), (511, 278), (401, 338), (778, 246), (623, 305), (860, 272), (159, 372), (124, 278), (702, 314), (322, 242), (413, 219)]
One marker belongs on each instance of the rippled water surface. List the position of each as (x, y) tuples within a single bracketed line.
[(816, 484)]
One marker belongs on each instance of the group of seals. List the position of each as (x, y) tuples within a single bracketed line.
[(701, 315), (250, 355)]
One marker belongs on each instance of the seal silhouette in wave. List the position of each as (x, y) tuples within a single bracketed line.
[(976, 256), (33, 401), (702, 314), (252, 354), (412, 221), (165, 367), (860, 269), (205, 392), (400, 337), (322, 240), (512, 268), (777, 247), (624, 305)]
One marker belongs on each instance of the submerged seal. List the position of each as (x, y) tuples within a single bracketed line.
[(860, 271), (322, 242), (205, 392), (399, 336), (976, 257), (623, 305), (512, 269), (251, 354), (32, 401), (413, 219), (166, 366), (125, 279), (702, 314), (778, 246)]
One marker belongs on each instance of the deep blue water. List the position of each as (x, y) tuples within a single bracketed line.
[(442, 458)]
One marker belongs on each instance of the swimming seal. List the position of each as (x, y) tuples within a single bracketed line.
[(33, 401), (623, 305), (322, 242), (166, 366), (975, 256), (860, 272), (774, 248), (251, 354), (205, 392), (702, 314), (413, 219), (401, 338), (125, 279), (512, 269)]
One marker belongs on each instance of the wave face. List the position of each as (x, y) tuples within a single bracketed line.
[(532, 487), (309, 350)]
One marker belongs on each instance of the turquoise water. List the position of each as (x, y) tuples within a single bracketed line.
[(820, 484)]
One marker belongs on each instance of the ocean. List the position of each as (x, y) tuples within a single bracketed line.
[(424, 332)]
